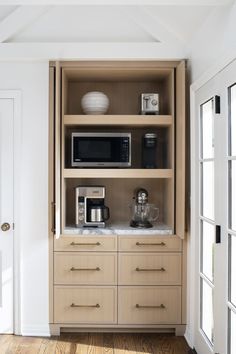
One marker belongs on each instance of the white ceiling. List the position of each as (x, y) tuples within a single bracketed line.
[(150, 22), (6, 11)]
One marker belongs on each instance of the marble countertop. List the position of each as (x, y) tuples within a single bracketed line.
[(159, 229)]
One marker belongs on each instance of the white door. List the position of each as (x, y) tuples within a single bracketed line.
[(228, 93), (215, 214), (6, 215), (205, 218)]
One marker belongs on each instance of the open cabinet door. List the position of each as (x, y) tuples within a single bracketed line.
[(51, 161), (51, 191), (180, 149), (58, 151)]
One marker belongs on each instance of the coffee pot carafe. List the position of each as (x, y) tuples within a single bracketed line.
[(98, 213), (143, 213)]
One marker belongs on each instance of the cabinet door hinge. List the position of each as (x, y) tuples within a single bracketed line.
[(218, 234), (53, 228), (217, 104)]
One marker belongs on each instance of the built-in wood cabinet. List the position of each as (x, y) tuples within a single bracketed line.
[(120, 278), (149, 305)]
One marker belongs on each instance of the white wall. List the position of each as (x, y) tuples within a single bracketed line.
[(214, 41), (32, 80)]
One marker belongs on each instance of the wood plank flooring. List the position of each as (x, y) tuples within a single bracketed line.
[(95, 343)]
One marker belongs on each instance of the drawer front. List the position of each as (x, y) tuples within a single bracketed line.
[(149, 305), (86, 243), (149, 269), (85, 268), (149, 244), (85, 305)]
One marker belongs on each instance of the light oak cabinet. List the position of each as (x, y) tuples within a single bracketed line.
[(149, 305), (85, 305), (116, 280), (149, 269), (85, 268), (83, 243), (141, 243)]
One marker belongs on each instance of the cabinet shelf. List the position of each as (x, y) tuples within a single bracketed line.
[(158, 230), (117, 120), (117, 173)]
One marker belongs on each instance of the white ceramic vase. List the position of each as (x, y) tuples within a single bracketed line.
[(95, 102)]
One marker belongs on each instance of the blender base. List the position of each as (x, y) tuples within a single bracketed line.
[(141, 225)]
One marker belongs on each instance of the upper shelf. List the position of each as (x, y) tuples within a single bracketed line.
[(116, 173), (134, 120)]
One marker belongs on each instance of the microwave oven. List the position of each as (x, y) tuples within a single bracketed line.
[(100, 149)]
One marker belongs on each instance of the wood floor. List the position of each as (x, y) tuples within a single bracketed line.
[(84, 343)]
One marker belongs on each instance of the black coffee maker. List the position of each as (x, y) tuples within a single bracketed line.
[(149, 150)]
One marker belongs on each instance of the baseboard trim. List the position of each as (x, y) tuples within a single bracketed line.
[(35, 331), (115, 330), (188, 338)]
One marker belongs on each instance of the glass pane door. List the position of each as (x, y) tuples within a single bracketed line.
[(232, 221), (207, 219), (214, 196)]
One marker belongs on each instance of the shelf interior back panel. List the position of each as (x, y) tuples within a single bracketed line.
[(124, 97), (119, 197), (164, 146)]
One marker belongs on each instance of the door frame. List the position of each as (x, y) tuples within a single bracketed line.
[(194, 190), (16, 96)]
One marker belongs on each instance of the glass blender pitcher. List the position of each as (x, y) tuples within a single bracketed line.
[(143, 213)]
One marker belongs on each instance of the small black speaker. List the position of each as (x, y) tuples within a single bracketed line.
[(149, 150)]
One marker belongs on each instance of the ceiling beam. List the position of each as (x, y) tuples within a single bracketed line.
[(19, 19), (152, 25), (118, 2), (89, 51), (166, 30)]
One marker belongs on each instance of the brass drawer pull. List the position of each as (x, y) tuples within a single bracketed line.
[(78, 269), (150, 244), (150, 306), (150, 269), (85, 244), (74, 305)]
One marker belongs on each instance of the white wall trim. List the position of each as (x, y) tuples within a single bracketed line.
[(36, 331), (118, 2), (16, 96), (191, 246), (187, 337), (89, 51)]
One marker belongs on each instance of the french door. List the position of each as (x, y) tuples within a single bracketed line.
[(215, 214), (6, 214)]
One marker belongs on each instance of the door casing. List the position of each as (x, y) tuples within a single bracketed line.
[(15, 95)]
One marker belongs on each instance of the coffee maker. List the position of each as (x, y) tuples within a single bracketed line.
[(149, 150), (90, 209)]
